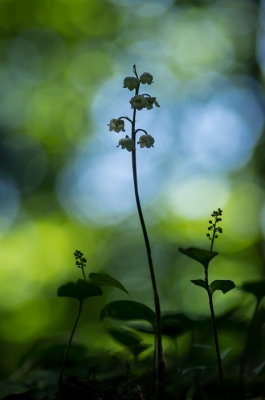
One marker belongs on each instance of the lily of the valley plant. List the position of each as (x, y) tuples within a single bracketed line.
[(142, 102)]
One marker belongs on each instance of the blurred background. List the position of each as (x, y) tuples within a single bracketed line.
[(65, 186)]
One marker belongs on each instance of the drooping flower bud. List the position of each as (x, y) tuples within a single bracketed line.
[(116, 125), (146, 78), (138, 102), (146, 141), (131, 83), (126, 143), (150, 101)]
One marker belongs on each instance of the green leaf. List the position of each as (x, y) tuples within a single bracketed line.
[(255, 287), (175, 324), (200, 255), (9, 387), (106, 280), (129, 339), (143, 327), (199, 282), (128, 310), (125, 337), (223, 285), (79, 290)]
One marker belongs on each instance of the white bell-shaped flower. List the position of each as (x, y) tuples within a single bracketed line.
[(131, 83), (150, 101), (146, 78), (138, 102), (116, 125), (146, 141), (126, 143)]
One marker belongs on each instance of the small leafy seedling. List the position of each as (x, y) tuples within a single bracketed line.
[(204, 257), (82, 290)]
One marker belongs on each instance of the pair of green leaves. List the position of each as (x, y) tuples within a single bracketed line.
[(126, 310), (204, 257), (223, 285), (129, 339), (81, 289), (173, 324)]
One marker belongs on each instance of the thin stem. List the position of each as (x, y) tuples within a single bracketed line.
[(248, 342), (217, 349), (67, 350), (83, 273), (212, 241), (160, 364), (216, 215), (214, 232)]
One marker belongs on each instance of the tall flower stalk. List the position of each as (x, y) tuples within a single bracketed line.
[(139, 102)]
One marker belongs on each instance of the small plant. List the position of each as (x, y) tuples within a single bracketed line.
[(139, 102), (204, 257), (81, 290), (256, 288)]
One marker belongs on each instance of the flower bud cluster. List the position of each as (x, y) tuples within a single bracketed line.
[(213, 227), (80, 260)]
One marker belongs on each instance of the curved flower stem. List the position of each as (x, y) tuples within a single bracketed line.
[(128, 119), (142, 130), (160, 364), (60, 381), (217, 349)]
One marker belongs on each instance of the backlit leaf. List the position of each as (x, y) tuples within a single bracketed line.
[(175, 324), (128, 310), (106, 280), (129, 339), (143, 327), (223, 285), (255, 287), (200, 282), (79, 290), (200, 255)]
